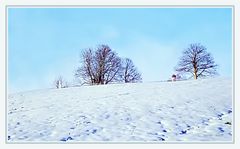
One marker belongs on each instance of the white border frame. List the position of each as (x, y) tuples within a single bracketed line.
[(169, 3)]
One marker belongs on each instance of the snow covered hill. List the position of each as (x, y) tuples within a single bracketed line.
[(184, 111)]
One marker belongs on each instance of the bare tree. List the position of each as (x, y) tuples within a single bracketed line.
[(130, 72), (109, 64), (197, 62), (99, 67), (58, 83), (87, 71)]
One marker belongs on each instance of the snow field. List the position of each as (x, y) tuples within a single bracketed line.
[(189, 111)]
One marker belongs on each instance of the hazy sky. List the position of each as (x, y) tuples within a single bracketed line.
[(46, 42)]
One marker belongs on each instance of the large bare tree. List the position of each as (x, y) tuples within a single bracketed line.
[(87, 71), (130, 72), (109, 64), (101, 66), (197, 62)]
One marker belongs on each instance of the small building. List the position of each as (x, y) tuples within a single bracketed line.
[(174, 77)]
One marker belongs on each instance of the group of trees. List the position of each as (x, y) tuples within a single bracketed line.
[(103, 65)]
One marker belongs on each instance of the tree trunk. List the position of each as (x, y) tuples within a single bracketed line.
[(195, 76), (195, 68), (195, 73)]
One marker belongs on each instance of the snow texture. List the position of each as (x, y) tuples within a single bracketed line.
[(181, 111)]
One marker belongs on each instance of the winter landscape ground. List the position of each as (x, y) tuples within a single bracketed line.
[(181, 111)]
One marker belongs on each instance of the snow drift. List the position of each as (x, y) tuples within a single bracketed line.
[(182, 111)]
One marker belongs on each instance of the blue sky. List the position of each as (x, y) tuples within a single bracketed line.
[(44, 43)]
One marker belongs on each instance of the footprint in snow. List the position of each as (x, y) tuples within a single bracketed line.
[(164, 130), (220, 116), (66, 139), (72, 127), (93, 131), (183, 132), (86, 122), (228, 123), (159, 136), (82, 117), (107, 116), (220, 129), (205, 121), (229, 111), (161, 139)]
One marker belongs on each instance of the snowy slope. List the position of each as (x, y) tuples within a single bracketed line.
[(195, 110)]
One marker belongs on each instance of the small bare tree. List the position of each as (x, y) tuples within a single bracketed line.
[(58, 83), (130, 72), (197, 61)]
